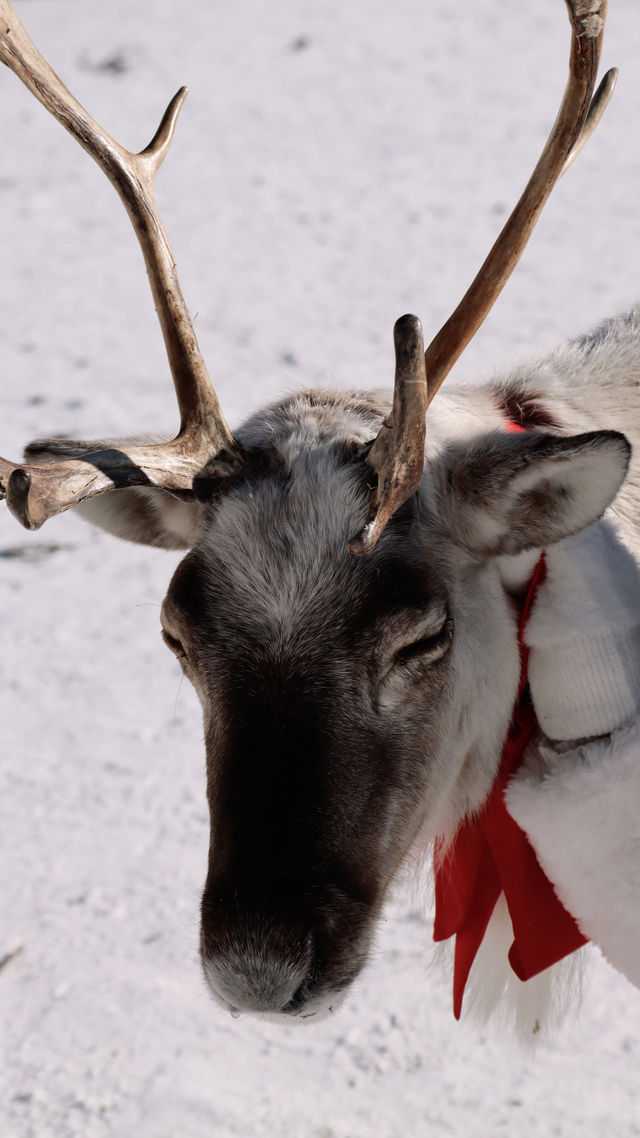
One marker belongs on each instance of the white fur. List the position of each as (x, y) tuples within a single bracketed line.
[(532, 1008)]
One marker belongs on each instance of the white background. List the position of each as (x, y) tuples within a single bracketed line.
[(336, 164)]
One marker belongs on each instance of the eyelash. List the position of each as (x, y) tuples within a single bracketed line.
[(421, 647)]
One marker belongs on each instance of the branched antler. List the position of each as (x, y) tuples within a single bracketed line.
[(204, 445), (579, 114)]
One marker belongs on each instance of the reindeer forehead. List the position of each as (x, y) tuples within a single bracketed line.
[(279, 546), (273, 560)]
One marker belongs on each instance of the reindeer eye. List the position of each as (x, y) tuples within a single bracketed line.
[(427, 649), (174, 644), (408, 662)]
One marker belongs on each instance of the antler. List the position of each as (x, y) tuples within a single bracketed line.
[(397, 452), (579, 114), (204, 447)]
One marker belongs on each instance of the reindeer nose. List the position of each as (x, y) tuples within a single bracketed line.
[(259, 990), (257, 984), (256, 964)]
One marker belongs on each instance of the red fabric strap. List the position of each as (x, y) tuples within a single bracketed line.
[(490, 855)]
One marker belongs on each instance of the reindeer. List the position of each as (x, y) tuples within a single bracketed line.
[(340, 610)]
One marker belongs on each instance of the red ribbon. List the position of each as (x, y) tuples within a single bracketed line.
[(490, 855)]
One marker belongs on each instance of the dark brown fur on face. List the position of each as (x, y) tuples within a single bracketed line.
[(302, 770)]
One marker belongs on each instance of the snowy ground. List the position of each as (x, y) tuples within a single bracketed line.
[(336, 165)]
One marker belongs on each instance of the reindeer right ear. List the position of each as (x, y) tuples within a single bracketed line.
[(508, 493)]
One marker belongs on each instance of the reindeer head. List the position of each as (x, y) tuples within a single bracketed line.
[(340, 611), (351, 703)]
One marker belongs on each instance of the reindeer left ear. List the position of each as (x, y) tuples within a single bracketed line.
[(507, 493)]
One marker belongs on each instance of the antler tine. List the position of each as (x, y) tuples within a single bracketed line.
[(577, 119), (599, 104), (587, 18), (204, 442)]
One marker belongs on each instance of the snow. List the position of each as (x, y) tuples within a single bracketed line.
[(334, 166)]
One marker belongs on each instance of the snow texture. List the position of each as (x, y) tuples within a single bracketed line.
[(336, 164)]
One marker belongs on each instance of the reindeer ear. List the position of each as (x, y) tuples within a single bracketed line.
[(149, 517), (508, 493)]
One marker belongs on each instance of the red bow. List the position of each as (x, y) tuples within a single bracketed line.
[(490, 855)]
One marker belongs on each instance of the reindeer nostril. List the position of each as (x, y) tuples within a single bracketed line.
[(297, 1001)]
